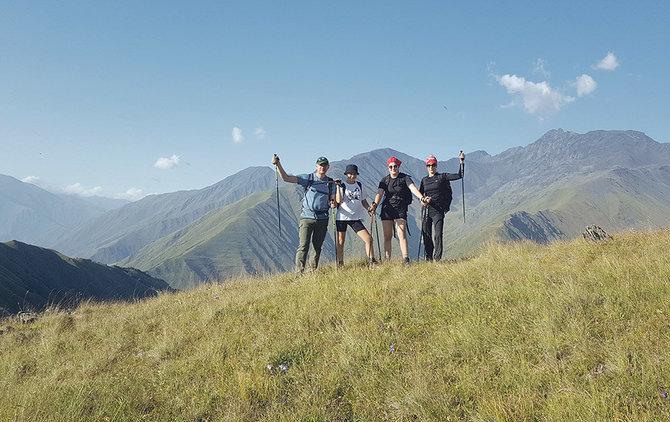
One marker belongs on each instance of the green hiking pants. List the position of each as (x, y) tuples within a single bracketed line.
[(310, 230)]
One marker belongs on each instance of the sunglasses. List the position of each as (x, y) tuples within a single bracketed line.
[(324, 164), (393, 166), (431, 165)]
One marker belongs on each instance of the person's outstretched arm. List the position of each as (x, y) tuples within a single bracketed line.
[(289, 178)]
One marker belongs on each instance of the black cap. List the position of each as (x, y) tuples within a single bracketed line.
[(321, 160), (351, 169)]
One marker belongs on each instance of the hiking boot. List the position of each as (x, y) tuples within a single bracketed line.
[(372, 263), (406, 261)]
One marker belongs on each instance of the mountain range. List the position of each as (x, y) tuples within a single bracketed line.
[(31, 214), (548, 190), (32, 278)]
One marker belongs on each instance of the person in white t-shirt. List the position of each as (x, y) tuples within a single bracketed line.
[(352, 209)]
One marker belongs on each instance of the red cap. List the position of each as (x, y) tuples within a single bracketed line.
[(431, 160), (393, 160)]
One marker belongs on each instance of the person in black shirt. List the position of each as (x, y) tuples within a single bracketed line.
[(436, 191), (397, 189)]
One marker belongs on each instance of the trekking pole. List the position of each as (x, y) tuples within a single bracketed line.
[(335, 234), (277, 183), (462, 157), (379, 248), (423, 220), (372, 241)]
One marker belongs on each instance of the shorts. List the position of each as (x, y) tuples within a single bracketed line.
[(342, 225), (390, 213)]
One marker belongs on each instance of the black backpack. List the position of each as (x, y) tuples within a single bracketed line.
[(405, 196)]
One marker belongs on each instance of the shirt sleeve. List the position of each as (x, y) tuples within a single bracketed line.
[(303, 179), (383, 185), (408, 180), (452, 176)]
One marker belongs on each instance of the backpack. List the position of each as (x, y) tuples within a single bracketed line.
[(405, 196), (309, 185)]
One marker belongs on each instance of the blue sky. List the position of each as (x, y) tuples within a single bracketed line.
[(128, 98)]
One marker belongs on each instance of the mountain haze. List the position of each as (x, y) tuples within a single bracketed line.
[(34, 215)]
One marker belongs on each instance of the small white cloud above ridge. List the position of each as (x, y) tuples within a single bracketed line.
[(538, 98), (78, 189), (167, 163), (610, 62), (237, 135), (585, 85), (132, 194), (260, 133)]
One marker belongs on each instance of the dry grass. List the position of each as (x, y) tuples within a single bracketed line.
[(571, 331)]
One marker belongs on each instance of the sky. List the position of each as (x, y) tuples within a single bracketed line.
[(128, 98)]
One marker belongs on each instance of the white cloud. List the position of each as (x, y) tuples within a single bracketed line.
[(132, 194), (33, 180), (538, 68), (78, 189), (585, 85), (167, 163), (610, 62), (260, 133), (538, 98), (237, 135)]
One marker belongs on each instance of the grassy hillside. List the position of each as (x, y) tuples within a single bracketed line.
[(570, 331)]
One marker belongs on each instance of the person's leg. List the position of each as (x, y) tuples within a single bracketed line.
[(305, 228), (388, 236), (438, 225), (341, 236), (367, 239), (318, 236), (401, 227), (341, 226), (427, 225)]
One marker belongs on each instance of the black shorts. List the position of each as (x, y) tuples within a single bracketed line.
[(342, 225), (390, 213)]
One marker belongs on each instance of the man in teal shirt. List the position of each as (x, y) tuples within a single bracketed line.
[(319, 198)]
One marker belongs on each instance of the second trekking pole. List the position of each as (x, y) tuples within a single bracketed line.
[(379, 248), (278, 212), (462, 157), (423, 222), (335, 234)]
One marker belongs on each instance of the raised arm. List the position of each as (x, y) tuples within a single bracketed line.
[(289, 178), (338, 192)]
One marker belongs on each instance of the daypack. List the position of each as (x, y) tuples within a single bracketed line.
[(325, 204), (404, 197)]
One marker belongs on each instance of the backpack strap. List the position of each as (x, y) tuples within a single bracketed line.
[(310, 179)]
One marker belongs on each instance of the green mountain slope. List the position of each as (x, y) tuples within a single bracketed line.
[(616, 200), (236, 239), (32, 278), (118, 234)]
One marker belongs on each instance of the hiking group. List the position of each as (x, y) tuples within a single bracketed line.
[(347, 197)]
